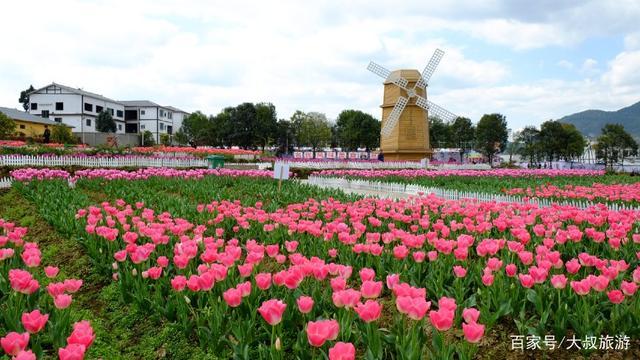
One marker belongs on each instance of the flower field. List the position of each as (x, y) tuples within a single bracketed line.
[(228, 266)]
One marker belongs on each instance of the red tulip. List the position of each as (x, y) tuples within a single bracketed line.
[(82, 334), (441, 319), (615, 296)]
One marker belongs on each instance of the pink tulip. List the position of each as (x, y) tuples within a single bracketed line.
[(34, 321), (470, 315), (369, 311), (82, 334), (62, 301), (272, 310), (72, 285), (628, 288), (51, 271), (72, 352), (367, 274), (615, 296), (263, 281), (414, 307), (305, 304), (347, 298), (447, 303), (318, 332), (511, 270), (459, 271), (13, 343), (233, 297), (342, 351), (371, 289), (526, 280), (179, 282), (25, 355), (581, 287), (441, 319), (473, 331), (559, 281), (392, 280)]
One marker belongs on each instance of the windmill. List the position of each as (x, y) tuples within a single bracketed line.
[(405, 124)]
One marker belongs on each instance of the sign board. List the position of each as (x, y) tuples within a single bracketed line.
[(342, 155), (308, 154), (320, 155), (281, 171), (353, 155), (331, 155), (424, 162), (297, 155)]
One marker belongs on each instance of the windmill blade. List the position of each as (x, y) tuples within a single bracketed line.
[(429, 69), (435, 110), (384, 73), (378, 70), (394, 116)]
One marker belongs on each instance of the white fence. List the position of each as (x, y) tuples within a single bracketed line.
[(5, 182), (104, 162), (449, 194)]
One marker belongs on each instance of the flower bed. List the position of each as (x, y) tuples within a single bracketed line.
[(34, 302), (600, 192), (191, 150), (406, 173)]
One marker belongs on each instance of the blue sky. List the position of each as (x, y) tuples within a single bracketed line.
[(530, 60)]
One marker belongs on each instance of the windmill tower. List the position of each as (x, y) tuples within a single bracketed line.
[(404, 133)]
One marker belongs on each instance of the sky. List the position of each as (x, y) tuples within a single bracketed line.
[(529, 60)]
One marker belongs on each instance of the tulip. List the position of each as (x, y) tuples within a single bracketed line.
[(371, 289), (441, 319), (470, 315), (526, 280), (62, 301), (615, 296), (559, 281), (263, 281), (25, 355), (51, 271), (459, 271), (342, 351), (628, 288), (305, 304), (179, 282), (369, 311), (82, 334), (72, 352), (233, 297), (34, 321), (272, 310), (473, 332), (414, 307), (318, 332), (13, 343)]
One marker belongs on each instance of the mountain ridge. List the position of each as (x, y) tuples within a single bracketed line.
[(590, 122)]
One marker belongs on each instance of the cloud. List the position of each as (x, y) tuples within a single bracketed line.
[(565, 64)]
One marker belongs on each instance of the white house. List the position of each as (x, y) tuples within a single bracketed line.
[(79, 109), (74, 107), (145, 115)]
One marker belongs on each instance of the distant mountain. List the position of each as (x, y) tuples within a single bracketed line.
[(590, 122)]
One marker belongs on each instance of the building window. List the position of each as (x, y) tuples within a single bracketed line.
[(119, 113), (161, 126), (45, 114), (59, 120), (34, 106), (88, 107), (119, 127), (99, 109), (141, 112), (141, 127), (59, 106), (22, 127), (88, 122), (170, 115), (110, 110)]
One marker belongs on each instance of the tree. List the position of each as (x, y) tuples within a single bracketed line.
[(614, 144), (573, 142), (530, 148), (24, 97), (147, 138), (439, 133), (7, 126), (194, 130), (315, 131), (284, 137), (296, 124), (462, 134), (61, 134), (491, 135), (105, 123), (243, 125), (181, 138), (266, 124), (357, 129)]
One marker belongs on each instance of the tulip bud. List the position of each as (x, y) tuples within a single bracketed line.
[(134, 272), (114, 266), (187, 300), (278, 345)]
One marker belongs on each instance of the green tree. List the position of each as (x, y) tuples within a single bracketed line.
[(462, 134), (574, 143), (194, 130), (147, 138), (284, 137), (439, 133), (266, 127), (614, 144), (61, 134), (491, 135), (296, 124), (24, 97), (243, 125), (551, 139), (356, 129), (105, 123), (7, 126), (180, 138), (315, 131), (530, 147)]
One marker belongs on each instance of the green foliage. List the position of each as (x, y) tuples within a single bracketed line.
[(314, 131), (356, 129), (24, 97), (491, 134), (7, 126), (266, 127), (439, 133), (105, 123), (530, 147), (62, 135), (147, 138), (165, 139), (614, 144), (195, 130)]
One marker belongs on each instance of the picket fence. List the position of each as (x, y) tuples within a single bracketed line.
[(448, 194), (5, 182), (356, 165), (104, 162)]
